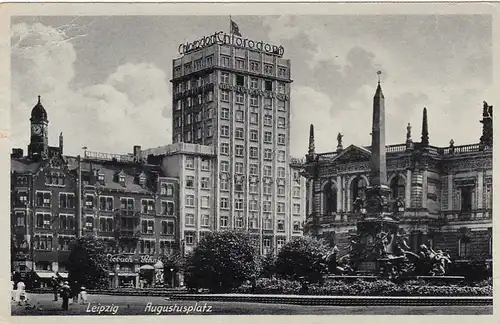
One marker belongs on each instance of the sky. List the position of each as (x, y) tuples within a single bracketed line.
[(104, 80)]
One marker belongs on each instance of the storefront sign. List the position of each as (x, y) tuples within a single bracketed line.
[(129, 259), (256, 92), (222, 38)]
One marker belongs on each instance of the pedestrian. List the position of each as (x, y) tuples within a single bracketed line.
[(65, 294), (75, 292), (55, 287), (20, 291), (12, 290), (83, 295)]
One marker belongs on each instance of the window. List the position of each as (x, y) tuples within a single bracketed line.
[(240, 98), (66, 200), (282, 72), (239, 116), (281, 122), (254, 152), (189, 201), (205, 202), (281, 156), (205, 183), (466, 199), (254, 169), (268, 69), (209, 61), (43, 199), (239, 222), (148, 226), (148, 206), (210, 96), (238, 204), (127, 204), (224, 131), (281, 88), (205, 220), (190, 220), (200, 100), (296, 192), (189, 162), (253, 205), (296, 226), (199, 134), (167, 208), (268, 172), (225, 60), (253, 223), (254, 101), (224, 78), (268, 85), (280, 225), (224, 114), (268, 120), (238, 150), (253, 188), (240, 64), (106, 203), (43, 220), (205, 165), (266, 206), (224, 95), (296, 209), (189, 182), (224, 185), (280, 242), (254, 66), (281, 105), (281, 172), (397, 187), (268, 103), (89, 223), (268, 189), (239, 80), (187, 68), (189, 104), (147, 247), (358, 186), (198, 64), (268, 154), (224, 148), (238, 187), (43, 242), (281, 190), (254, 117), (281, 208), (238, 133), (189, 238), (167, 227), (224, 166), (254, 135), (464, 250), (268, 224), (224, 220), (238, 166), (268, 137), (224, 203), (254, 83), (281, 139), (20, 219)]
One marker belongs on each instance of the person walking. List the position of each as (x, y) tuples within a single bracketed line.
[(55, 287), (75, 291), (65, 294), (20, 291)]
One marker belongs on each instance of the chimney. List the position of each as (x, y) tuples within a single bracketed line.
[(17, 153), (137, 153), (61, 140)]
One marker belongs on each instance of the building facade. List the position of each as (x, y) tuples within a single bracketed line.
[(444, 194), (132, 205), (237, 100)]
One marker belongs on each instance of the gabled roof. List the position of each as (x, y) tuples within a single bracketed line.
[(352, 153), (23, 165)]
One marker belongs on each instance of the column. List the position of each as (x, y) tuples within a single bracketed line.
[(450, 191), (408, 189), (479, 189), (339, 193), (424, 189)]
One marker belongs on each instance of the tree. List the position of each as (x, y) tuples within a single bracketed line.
[(87, 262), (267, 265), (302, 257), (221, 261)]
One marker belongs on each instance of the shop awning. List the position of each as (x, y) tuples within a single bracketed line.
[(127, 274), (147, 267), (44, 275), (63, 275), (158, 265)]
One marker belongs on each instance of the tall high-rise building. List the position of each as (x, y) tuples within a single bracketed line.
[(233, 94)]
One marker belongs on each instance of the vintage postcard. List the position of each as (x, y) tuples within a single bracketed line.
[(248, 159)]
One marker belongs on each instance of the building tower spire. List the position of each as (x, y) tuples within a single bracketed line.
[(61, 142), (312, 147), (378, 160), (425, 129)]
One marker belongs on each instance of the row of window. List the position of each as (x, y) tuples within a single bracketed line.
[(253, 66), (253, 188), (254, 100), (191, 101), (198, 82), (253, 205), (253, 152), (204, 182), (254, 118), (205, 164), (254, 135), (252, 82), (253, 169), (204, 201)]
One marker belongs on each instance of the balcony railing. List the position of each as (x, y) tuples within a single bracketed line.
[(126, 158)]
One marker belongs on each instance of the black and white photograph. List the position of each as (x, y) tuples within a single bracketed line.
[(229, 163)]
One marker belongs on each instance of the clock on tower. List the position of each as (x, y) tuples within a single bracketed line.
[(39, 146)]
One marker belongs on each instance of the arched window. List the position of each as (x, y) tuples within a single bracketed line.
[(329, 198), (464, 248), (398, 187), (358, 186), (466, 199)]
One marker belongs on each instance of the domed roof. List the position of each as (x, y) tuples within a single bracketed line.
[(38, 112)]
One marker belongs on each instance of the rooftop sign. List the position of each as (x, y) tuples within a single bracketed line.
[(222, 38)]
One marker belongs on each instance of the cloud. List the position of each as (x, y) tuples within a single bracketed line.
[(132, 106)]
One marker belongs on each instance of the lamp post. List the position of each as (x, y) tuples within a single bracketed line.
[(172, 273)]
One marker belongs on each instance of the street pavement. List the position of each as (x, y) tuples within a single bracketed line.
[(102, 305)]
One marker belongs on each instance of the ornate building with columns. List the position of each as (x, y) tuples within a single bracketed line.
[(443, 194)]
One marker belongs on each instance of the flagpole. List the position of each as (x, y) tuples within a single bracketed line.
[(230, 29)]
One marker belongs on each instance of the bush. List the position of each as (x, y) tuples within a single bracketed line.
[(221, 262), (271, 286), (302, 258)]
